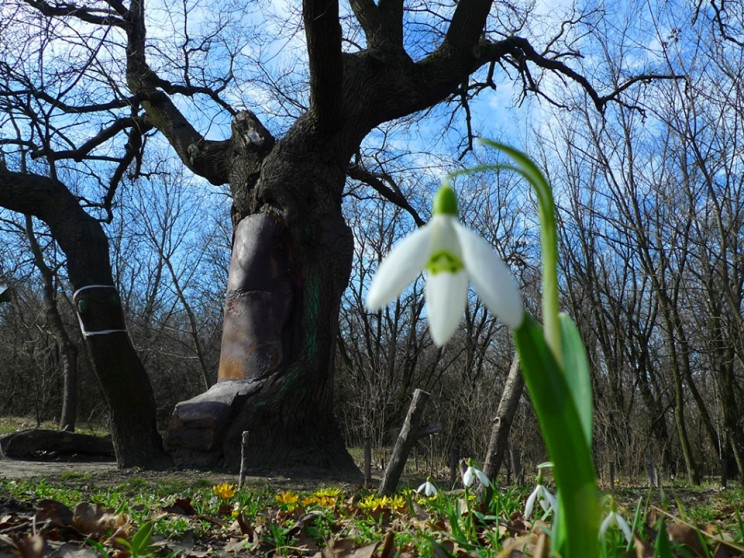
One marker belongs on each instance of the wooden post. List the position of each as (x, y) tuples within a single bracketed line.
[(367, 461), (431, 455), (508, 472), (612, 476), (508, 405), (243, 458), (403, 445), (454, 470), (650, 470), (723, 466), (516, 459)]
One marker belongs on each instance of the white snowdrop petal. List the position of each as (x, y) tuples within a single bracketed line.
[(530, 505), (443, 235), (446, 295), (482, 477), (624, 527), (606, 523), (547, 500), (401, 266), (490, 277), (469, 477)]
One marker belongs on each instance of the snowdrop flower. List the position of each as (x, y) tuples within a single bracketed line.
[(473, 473), (427, 488), (614, 518), (451, 254), (542, 495)]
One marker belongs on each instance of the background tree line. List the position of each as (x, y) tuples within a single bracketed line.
[(651, 208)]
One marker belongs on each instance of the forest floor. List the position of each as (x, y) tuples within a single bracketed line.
[(196, 513)]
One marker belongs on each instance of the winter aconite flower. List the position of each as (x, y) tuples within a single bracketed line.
[(451, 254), (472, 473), (428, 489), (224, 491)]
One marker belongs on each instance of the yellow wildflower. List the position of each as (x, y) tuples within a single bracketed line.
[(288, 499), (224, 491), (320, 500), (329, 492), (373, 502)]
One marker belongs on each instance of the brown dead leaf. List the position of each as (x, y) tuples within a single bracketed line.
[(182, 506), (243, 524), (388, 546), (31, 546), (443, 549), (238, 546), (643, 549), (96, 521), (344, 548), (54, 513), (542, 547), (723, 551), (682, 534), (69, 550), (519, 547), (515, 526)]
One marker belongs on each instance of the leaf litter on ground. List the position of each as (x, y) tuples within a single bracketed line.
[(143, 519)]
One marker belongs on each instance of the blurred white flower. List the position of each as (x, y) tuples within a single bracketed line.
[(614, 518), (428, 489), (451, 254), (471, 474), (546, 500)]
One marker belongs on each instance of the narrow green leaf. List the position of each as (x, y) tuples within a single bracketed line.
[(576, 369), (141, 539), (563, 432), (662, 547)]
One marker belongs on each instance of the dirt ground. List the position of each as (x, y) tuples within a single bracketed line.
[(18, 469), (106, 473)]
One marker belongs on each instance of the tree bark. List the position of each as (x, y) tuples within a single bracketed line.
[(292, 255), (403, 444), (35, 443)]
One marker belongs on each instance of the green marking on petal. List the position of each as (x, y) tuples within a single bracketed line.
[(445, 202), (444, 262)]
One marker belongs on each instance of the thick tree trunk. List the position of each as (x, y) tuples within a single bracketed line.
[(123, 379), (291, 261)]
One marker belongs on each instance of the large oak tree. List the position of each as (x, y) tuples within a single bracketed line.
[(292, 252)]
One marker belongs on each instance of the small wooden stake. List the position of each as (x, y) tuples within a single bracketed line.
[(243, 458), (367, 461)]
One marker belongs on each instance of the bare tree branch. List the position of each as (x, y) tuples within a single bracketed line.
[(377, 182), (66, 9), (323, 33)]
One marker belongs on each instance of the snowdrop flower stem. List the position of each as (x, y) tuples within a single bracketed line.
[(556, 371), (548, 240)]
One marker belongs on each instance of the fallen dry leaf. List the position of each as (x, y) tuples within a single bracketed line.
[(31, 546), (98, 522)]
